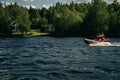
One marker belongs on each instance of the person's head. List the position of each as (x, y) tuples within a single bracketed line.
[(101, 33)]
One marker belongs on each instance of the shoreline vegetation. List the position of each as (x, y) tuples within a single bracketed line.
[(61, 20), (32, 33)]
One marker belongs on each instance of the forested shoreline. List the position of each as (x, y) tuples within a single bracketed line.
[(83, 19)]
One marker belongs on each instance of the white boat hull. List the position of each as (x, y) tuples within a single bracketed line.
[(96, 43), (90, 41)]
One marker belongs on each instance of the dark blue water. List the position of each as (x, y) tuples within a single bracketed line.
[(48, 58)]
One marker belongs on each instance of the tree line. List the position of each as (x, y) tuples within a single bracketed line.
[(83, 19)]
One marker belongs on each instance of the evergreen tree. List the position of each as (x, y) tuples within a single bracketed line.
[(1, 18), (34, 18), (97, 19), (5, 19), (114, 26)]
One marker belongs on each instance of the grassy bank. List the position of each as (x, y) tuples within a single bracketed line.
[(32, 33), (35, 33)]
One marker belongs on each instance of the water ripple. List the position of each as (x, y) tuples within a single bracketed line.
[(48, 58)]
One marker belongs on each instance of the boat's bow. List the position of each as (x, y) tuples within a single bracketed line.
[(90, 41)]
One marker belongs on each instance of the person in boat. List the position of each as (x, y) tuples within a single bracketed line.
[(101, 37)]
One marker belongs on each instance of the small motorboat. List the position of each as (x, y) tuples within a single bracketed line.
[(95, 41)]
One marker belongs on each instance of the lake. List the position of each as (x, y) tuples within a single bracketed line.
[(49, 58)]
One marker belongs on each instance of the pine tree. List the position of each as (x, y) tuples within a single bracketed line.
[(97, 19)]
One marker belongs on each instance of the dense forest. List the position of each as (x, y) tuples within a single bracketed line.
[(74, 19)]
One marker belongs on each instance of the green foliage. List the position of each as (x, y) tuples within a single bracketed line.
[(5, 18), (34, 18), (1, 17), (97, 19), (84, 19), (114, 26), (66, 21), (20, 21), (24, 21)]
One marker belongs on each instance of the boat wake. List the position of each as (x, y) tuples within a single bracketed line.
[(105, 44), (101, 44), (115, 44)]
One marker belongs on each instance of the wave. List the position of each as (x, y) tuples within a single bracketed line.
[(115, 44), (101, 44), (106, 44)]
